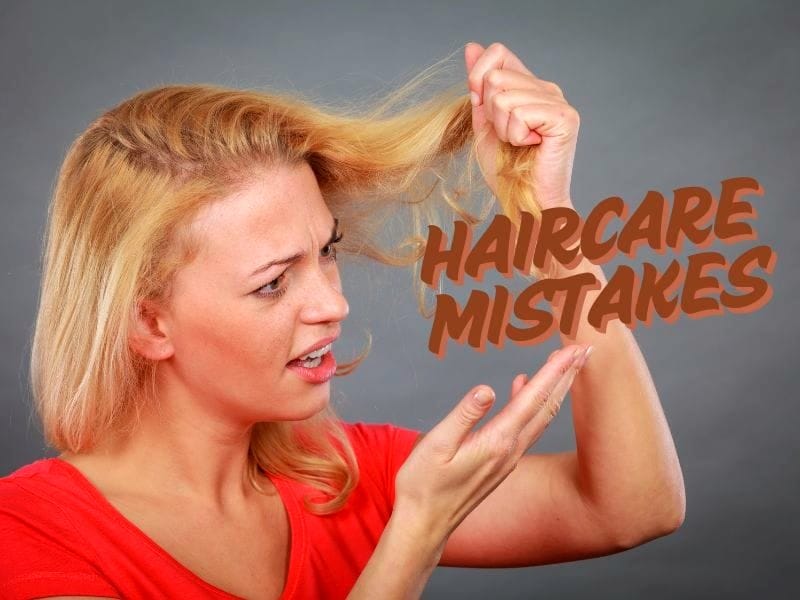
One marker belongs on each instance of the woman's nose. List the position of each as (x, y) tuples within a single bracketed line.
[(326, 300)]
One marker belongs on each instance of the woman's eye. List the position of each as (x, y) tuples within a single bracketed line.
[(274, 289), (271, 290), (329, 250)]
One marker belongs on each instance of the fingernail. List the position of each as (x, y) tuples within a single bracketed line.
[(582, 360), (483, 396), (474, 98), (577, 354)]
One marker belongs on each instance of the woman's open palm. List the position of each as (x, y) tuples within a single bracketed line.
[(452, 468)]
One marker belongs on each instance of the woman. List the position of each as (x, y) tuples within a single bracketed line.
[(182, 358)]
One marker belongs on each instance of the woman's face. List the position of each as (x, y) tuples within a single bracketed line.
[(236, 324)]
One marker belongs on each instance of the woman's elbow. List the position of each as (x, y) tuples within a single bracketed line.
[(659, 518), (667, 523)]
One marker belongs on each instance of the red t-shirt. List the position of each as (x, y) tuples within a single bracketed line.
[(60, 536)]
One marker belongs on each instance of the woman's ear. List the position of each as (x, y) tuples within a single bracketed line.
[(149, 334)]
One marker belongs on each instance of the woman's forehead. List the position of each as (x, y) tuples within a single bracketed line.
[(276, 208)]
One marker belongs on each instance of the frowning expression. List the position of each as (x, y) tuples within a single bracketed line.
[(263, 289)]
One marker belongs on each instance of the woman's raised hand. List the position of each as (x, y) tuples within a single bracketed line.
[(512, 105), (452, 469)]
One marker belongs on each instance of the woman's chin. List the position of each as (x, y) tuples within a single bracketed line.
[(306, 403)]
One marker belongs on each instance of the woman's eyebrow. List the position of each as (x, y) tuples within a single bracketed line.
[(296, 256)]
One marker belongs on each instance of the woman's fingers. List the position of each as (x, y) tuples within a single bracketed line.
[(500, 111), (550, 407), (517, 384), (503, 90), (545, 119), (533, 404), (533, 396), (496, 56), (451, 431), (454, 468)]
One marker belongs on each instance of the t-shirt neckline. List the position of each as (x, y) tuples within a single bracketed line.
[(297, 534)]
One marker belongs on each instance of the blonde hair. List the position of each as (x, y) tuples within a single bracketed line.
[(118, 230)]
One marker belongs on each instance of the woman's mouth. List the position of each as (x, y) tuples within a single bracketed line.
[(317, 367)]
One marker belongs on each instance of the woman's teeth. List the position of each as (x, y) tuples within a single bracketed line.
[(313, 359), (314, 362)]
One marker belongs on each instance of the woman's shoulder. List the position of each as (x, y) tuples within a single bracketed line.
[(42, 534), (36, 501), (26, 480), (41, 465), (41, 492)]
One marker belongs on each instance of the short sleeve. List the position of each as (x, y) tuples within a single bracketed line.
[(381, 450), (41, 554)]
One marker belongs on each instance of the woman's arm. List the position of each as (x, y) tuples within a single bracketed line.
[(622, 486), (402, 562), (627, 467), (452, 469)]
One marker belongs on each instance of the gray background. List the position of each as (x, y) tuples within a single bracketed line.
[(670, 94)]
